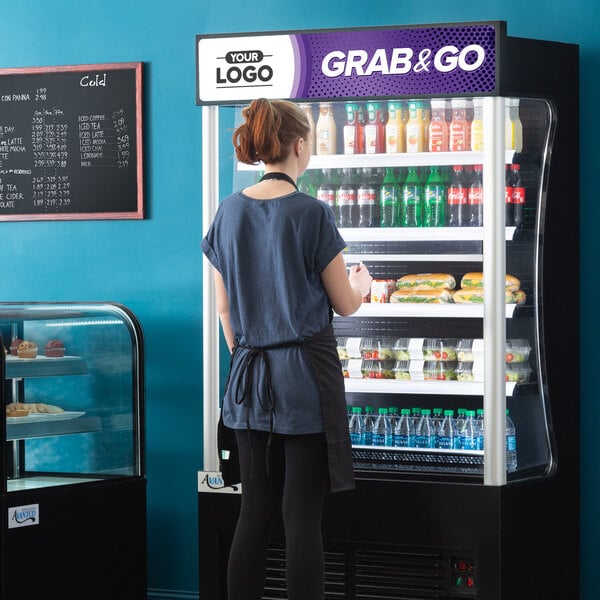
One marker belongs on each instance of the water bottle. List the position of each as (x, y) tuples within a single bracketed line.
[(404, 432), (424, 436), (382, 431), (394, 416), (511, 444), (368, 422), (470, 432), (416, 417), (436, 418), (447, 437), (459, 426), (480, 425), (355, 424)]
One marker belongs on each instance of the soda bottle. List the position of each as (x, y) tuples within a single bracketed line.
[(435, 200), (305, 185), (476, 197), (347, 200), (355, 425), (457, 198), (459, 127), (326, 193), (508, 198), (404, 432), (412, 200), (368, 422), (389, 203), (438, 127), (395, 135), (511, 444), (375, 129), (518, 195), (366, 198), (424, 435), (470, 433), (354, 140), (447, 437), (382, 430), (480, 426)]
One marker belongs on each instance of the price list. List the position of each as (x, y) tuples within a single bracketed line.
[(70, 143)]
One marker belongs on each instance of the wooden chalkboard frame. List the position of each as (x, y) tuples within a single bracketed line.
[(135, 209)]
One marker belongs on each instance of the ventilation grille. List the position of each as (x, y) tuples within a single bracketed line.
[(372, 572)]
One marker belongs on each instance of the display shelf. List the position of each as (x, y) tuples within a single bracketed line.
[(42, 366), (396, 386), (406, 159), (351, 258), (426, 310), (39, 429), (417, 234)]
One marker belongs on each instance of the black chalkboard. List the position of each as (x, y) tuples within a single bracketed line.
[(71, 142)]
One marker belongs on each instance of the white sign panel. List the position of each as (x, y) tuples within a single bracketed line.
[(211, 481), (23, 516)]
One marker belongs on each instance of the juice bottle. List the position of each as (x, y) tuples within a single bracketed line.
[(438, 127), (375, 129), (415, 128), (326, 130), (477, 125), (513, 128), (307, 108), (354, 141), (395, 134), (459, 127), (426, 116)]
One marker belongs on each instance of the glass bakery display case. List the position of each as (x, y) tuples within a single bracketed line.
[(73, 444)]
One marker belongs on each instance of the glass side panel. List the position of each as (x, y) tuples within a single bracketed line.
[(404, 181), (73, 411)]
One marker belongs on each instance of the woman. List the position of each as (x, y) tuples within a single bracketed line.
[(278, 273)]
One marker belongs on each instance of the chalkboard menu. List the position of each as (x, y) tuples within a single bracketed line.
[(71, 142)]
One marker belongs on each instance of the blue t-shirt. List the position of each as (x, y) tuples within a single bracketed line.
[(270, 254)]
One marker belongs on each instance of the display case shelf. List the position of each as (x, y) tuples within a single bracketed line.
[(426, 310), (396, 386), (55, 427), (41, 366)]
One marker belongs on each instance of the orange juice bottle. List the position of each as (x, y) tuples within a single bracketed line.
[(415, 128), (395, 135)]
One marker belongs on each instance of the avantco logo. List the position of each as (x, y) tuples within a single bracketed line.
[(211, 481), (242, 68), (23, 516)]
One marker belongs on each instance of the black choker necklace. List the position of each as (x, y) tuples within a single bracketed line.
[(276, 175)]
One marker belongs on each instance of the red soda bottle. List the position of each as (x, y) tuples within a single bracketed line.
[(326, 193), (457, 198), (476, 197), (518, 195), (509, 220), (347, 201)]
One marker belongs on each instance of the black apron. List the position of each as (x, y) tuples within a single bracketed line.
[(321, 351)]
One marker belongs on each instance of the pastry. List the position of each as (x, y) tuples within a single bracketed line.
[(27, 349), (35, 407), (54, 349), (14, 345)]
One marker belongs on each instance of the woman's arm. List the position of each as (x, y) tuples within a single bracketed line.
[(345, 290), (223, 309)]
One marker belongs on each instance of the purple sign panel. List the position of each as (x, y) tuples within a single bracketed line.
[(421, 61)]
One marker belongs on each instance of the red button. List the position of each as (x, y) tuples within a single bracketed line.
[(470, 582)]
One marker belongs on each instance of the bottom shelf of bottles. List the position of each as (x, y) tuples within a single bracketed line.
[(418, 459)]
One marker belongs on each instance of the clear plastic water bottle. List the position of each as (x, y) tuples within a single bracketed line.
[(511, 444), (447, 438), (459, 426), (470, 432), (404, 432), (436, 418), (415, 415), (355, 425), (382, 430), (480, 425), (368, 422), (394, 416), (424, 436)]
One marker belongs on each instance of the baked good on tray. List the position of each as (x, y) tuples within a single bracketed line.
[(54, 349), (27, 349)]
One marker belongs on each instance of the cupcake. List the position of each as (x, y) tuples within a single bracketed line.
[(54, 349), (14, 345), (27, 350)]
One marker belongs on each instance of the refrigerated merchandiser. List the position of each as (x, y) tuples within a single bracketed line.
[(473, 314), (73, 486)]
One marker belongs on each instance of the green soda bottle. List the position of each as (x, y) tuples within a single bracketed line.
[(435, 200), (388, 200), (412, 200)]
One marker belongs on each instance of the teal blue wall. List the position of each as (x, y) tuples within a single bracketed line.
[(154, 265)]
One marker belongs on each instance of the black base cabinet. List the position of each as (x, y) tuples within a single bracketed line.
[(90, 544), (403, 541)]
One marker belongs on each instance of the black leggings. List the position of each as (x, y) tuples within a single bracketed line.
[(296, 485)]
